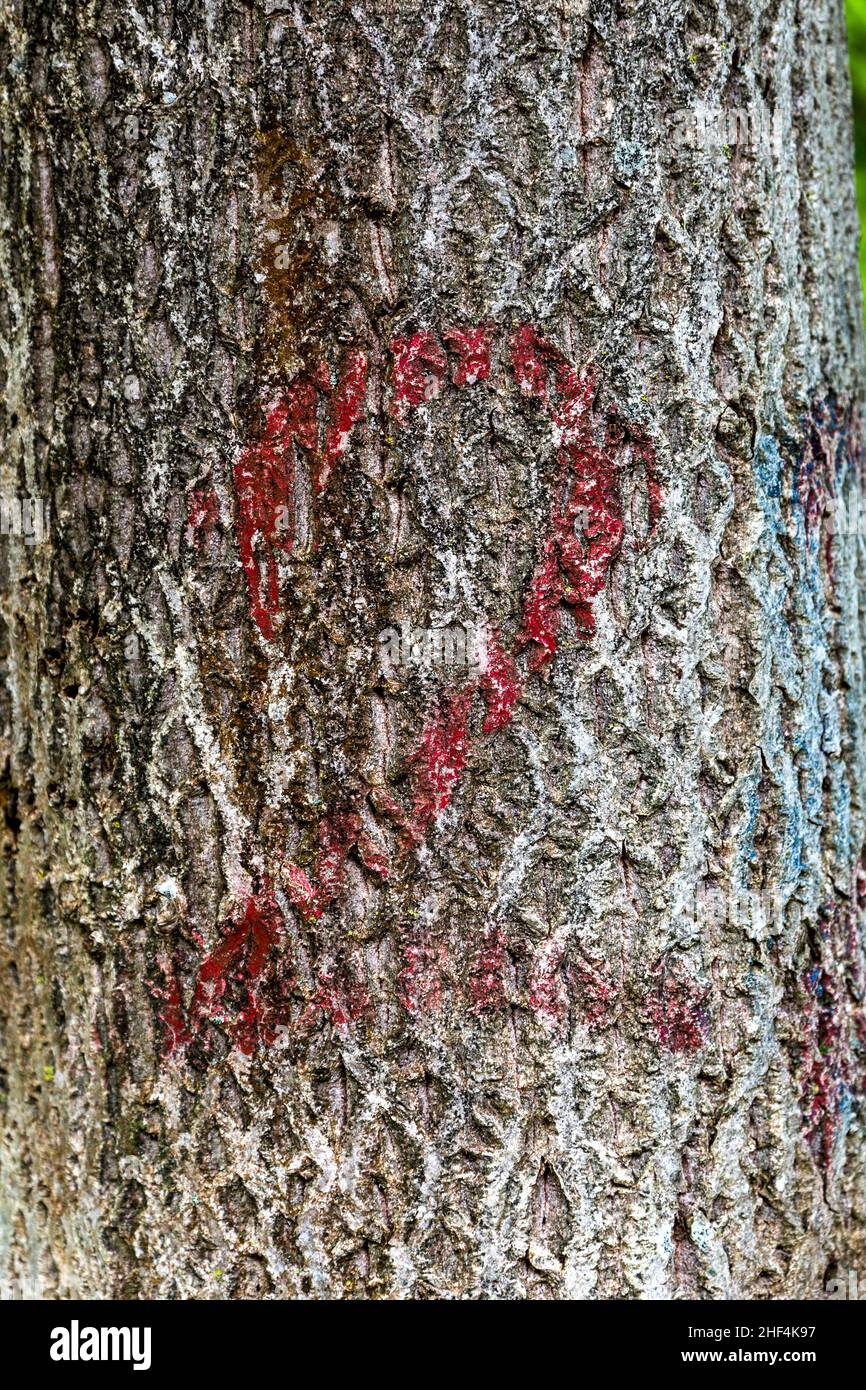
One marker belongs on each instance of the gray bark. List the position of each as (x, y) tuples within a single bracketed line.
[(600, 1031)]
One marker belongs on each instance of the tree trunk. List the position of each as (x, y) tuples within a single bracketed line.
[(434, 743)]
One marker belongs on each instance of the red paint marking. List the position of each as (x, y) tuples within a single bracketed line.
[(472, 348), (388, 806), (348, 410), (500, 686), (597, 994), (575, 563), (302, 894), (372, 856), (596, 503), (242, 955), (264, 477), (546, 989), (585, 535), (420, 980), (676, 1007), (439, 760), (419, 366), (251, 1026), (337, 835), (340, 1002), (531, 360), (340, 833), (204, 513), (487, 982), (171, 1015), (540, 627)]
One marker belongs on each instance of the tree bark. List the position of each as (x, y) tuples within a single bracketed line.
[(338, 966)]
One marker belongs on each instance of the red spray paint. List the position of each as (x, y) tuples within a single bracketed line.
[(546, 986), (500, 686), (596, 994), (420, 980), (587, 524), (419, 367), (340, 833), (439, 760), (171, 1014), (472, 348), (347, 411), (487, 980), (677, 1009), (264, 478), (242, 957), (540, 629), (302, 894), (337, 999), (585, 535)]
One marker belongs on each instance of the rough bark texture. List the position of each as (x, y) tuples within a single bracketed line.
[(326, 977)]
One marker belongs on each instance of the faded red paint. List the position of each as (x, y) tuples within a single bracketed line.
[(499, 685), (677, 1008), (472, 349), (586, 516), (264, 478), (204, 514), (546, 986), (439, 760), (302, 894), (372, 856), (419, 367), (596, 994), (387, 805), (340, 833), (420, 980), (337, 835), (337, 999), (584, 536), (487, 980), (587, 525), (171, 1015), (347, 412)]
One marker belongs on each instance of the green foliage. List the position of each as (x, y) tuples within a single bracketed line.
[(856, 15)]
